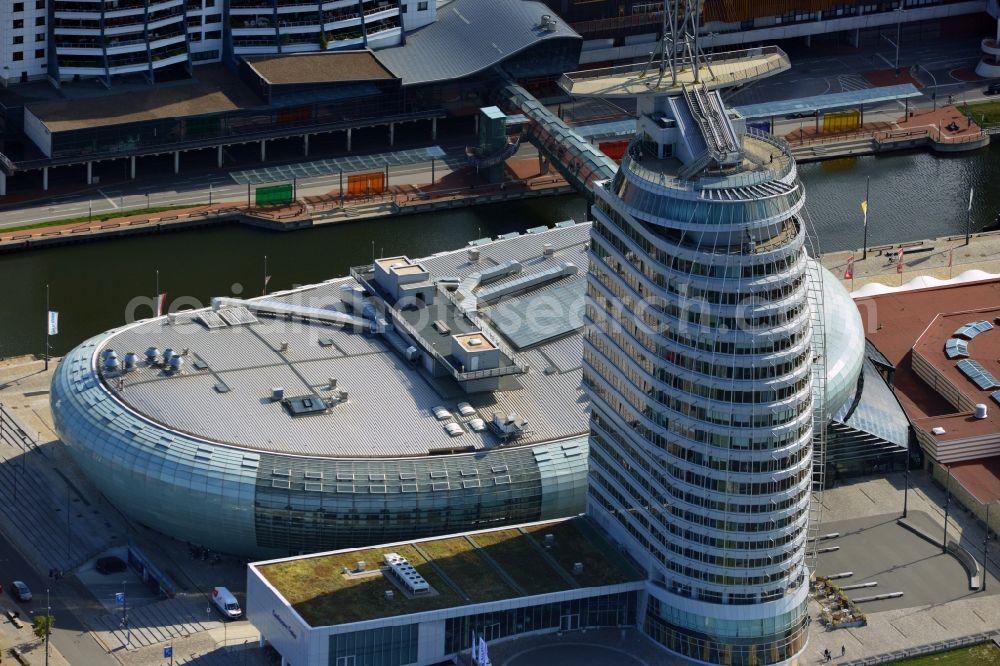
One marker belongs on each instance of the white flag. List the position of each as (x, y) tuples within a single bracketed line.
[(53, 322), (484, 657), (971, 191)]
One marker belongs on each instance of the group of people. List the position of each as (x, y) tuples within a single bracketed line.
[(827, 655)]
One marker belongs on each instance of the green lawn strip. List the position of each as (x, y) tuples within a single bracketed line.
[(315, 587), (520, 560), (467, 569), (102, 217), (984, 654), (602, 564), (987, 113)]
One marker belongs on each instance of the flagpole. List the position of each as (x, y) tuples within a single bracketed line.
[(968, 216), (868, 185), (48, 327), (156, 294), (265, 275)]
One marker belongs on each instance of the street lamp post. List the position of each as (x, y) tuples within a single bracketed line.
[(906, 478), (986, 552), (48, 624), (899, 32), (947, 505), (69, 535)]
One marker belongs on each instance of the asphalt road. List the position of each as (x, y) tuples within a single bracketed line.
[(67, 597)]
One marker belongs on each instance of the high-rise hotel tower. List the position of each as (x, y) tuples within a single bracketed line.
[(700, 360)]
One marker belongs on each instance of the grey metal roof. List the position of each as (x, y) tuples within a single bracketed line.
[(830, 102), (347, 164), (470, 36), (388, 412)]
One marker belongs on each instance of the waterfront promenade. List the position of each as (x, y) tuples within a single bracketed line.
[(314, 206), (928, 258)]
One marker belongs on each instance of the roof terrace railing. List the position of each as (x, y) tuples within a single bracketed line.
[(777, 170), (769, 66)]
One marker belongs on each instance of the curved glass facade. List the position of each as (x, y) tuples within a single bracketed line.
[(698, 362), (261, 504)]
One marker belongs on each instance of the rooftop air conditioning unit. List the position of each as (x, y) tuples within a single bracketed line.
[(547, 250), (277, 394), (473, 254)]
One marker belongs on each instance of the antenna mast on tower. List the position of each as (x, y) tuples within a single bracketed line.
[(679, 49)]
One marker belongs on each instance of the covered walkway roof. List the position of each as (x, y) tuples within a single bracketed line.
[(470, 36), (830, 102)]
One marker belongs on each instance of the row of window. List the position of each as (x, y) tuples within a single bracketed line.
[(788, 370), (739, 293), (711, 460), (598, 376), (622, 380), (676, 263), (776, 510), (695, 432), (613, 309), (19, 39), (17, 24), (660, 206), (662, 545), (657, 379), (18, 56), (742, 536), (714, 558), (779, 513), (716, 343), (685, 311), (782, 644), (18, 7)]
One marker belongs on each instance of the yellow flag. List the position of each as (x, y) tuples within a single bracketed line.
[(864, 209)]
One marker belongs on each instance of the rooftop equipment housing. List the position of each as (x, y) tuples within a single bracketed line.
[(404, 572)]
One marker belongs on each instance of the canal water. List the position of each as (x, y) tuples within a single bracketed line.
[(913, 196)]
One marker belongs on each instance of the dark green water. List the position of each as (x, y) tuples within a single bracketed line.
[(914, 196)]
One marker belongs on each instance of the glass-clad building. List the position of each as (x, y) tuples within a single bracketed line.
[(699, 364), (325, 417)]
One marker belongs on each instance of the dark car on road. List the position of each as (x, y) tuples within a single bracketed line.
[(20, 591), (992, 89), (110, 565)]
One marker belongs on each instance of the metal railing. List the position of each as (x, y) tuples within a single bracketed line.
[(710, 59), (771, 171), (929, 648)]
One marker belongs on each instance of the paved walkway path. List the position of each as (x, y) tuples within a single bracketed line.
[(927, 257), (36, 524), (915, 626)]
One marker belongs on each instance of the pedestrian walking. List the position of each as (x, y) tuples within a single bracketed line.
[(843, 650)]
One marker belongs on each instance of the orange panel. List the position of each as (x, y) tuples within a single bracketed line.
[(361, 184)]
